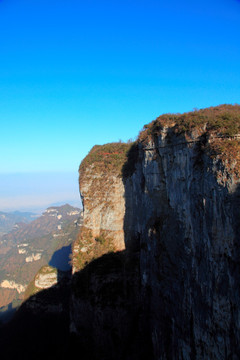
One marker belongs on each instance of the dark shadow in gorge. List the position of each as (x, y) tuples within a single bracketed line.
[(107, 308), (61, 258), (39, 328), (6, 313), (107, 314)]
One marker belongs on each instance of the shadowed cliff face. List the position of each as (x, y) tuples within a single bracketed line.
[(182, 207), (181, 225)]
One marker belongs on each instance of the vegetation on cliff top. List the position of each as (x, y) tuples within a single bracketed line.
[(108, 158), (222, 119), (220, 124)]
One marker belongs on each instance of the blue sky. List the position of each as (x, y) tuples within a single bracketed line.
[(78, 73)]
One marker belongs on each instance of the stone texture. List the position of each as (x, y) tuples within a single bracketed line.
[(178, 215), (104, 205), (46, 278), (186, 220)]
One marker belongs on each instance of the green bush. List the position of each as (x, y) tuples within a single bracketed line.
[(100, 239)]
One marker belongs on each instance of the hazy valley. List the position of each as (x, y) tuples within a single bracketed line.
[(29, 246), (9, 220)]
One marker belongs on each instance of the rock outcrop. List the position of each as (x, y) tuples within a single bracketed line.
[(11, 284), (176, 207), (102, 192), (33, 257), (46, 278)]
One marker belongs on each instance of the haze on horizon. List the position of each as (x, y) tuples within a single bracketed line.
[(35, 192), (78, 73)]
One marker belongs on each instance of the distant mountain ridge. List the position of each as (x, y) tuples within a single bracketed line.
[(28, 247), (9, 219), (50, 219)]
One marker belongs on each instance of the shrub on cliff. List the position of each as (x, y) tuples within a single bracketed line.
[(106, 158), (222, 119), (217, 129)]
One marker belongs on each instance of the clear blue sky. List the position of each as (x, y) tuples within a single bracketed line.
[(77, 73)]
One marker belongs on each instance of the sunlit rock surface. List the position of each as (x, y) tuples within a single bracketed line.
[(46, 278), (10, 284)]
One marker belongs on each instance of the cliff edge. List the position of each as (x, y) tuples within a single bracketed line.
[(173, 203), (102, 192)]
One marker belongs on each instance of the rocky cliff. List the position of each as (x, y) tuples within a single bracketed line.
[(172, 200), (102, 193), (156, 264)]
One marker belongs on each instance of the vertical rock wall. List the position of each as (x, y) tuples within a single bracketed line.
[(104, 304), (102, 192), (104, 205), (174, 292), (183, 208)]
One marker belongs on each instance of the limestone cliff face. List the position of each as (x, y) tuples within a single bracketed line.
[(104, 204), (177, 212), (102, 192), (104, 301)]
